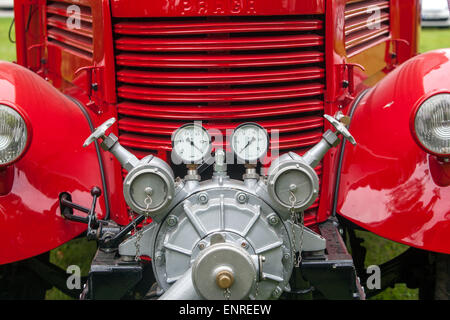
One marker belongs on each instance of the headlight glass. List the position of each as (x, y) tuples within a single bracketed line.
[(432, 124), (13, 135)]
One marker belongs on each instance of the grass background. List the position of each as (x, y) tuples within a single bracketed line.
[(379, 250)]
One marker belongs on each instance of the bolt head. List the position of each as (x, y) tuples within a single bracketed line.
[(273, 219), (345, 84), (241, 197), (159, 257), (172, 221), (203, 198)]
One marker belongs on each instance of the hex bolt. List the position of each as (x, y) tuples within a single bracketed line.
[(203, 198), (273, 219), (201, 245), (172, 221), (159, 257), (244, 245), (286, 257), (277, 292), (241, 197), (345, 84)]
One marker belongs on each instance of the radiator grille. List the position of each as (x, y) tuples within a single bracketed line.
[(63, 31), (366, 23), (224, 72)]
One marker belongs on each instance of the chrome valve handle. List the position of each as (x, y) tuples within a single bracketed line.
[(340, 128), (99, 132)]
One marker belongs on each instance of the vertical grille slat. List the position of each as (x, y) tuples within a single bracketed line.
[(223, 71), (366, 22), (60, 33)]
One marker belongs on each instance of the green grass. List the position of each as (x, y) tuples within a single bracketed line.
[(380, 250), (434, 38), (7, 49), (76, 252), (80, 251)]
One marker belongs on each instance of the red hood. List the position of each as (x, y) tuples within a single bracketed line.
[(173, 8)]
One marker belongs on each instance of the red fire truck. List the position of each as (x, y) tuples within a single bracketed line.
[(224, 149)]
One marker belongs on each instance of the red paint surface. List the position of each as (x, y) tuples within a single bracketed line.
[(30, 221), (157, 119), (174, 8), (387, 186)]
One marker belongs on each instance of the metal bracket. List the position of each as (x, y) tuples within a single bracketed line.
[(393, 55), (349, 68), (93, 79), (128, 247), (67, 206), (311, 240)]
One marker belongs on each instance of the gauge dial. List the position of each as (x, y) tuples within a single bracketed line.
[(191, 143), (249, 142)]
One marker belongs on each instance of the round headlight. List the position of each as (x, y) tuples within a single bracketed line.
[(13, 135), (432, 124)]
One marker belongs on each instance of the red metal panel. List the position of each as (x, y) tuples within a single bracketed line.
[(60, 9), (388, 169), (218, 78), (177, 8), (190, 113), (55, 162), (217, 95), (202, 44), (80, 39), (223, 72), (366, 23), (219, 60), (194, 27)]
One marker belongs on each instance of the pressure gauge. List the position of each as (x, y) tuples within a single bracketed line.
[(190, 144), (249, 142)]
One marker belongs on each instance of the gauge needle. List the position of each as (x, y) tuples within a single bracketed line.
[(248, 143), (193, 144)]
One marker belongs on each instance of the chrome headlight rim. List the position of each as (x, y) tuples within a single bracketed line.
[(414, 114), (29, 130)]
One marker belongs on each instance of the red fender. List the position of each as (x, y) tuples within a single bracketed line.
[(55, 162), (389, 184)]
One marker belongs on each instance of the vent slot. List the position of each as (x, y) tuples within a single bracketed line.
[(366, 22), (223, 71), (63, 32)]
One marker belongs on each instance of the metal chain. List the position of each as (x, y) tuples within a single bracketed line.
[(294, 221), (148, 201), (302, 226), (227, 293)]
